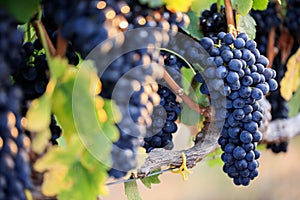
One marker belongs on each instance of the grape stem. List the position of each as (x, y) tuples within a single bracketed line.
[(271, 47), (44, 37), (230, 18), (180, 92), (61, 44)]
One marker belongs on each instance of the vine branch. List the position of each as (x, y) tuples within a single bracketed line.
[(61, 44), (180, 92), (276, 131), (271, 53)]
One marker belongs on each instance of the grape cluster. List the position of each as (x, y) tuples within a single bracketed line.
[(14, 168), (213, 21), (292, 18), (33, 76), (237, 71), (134, 74), (265, 20), (159, 134), (71, 16)]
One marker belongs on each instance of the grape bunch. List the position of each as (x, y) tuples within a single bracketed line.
[(14, 144), (159, 134), (134, 74), (70, 17), (292, 18), (213, 21), (265, 20), (237, 71)]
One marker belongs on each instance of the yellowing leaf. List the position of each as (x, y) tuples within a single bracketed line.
[(57, 66), (178, 5), (54, 180), (40, 141), (291, 79), (38, 115)]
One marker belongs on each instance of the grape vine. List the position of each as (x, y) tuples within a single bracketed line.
[(86, 87)]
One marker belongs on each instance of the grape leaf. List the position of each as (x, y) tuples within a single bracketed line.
[(291, 80), (244, 6), (260, 4), (96, 136), (193, 27), (198, 6), (246, 24), (294, 104), (187, 77), (40, 141), (72, 172), (57, 67), (131, 190), (178, 6), (39, 114), (20, 9), (62, 104), (214, 159), (152, 3), (151, 179)]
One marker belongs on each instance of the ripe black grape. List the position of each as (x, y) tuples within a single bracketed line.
[(213, 21), (159, 134), (237, 72), (265, 20), (14, 169)]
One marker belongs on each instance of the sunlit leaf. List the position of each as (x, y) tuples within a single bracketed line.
[(131, 190), (244, 6), (246, 24), (178, 6), (291, 80), (57, 67), (40, 141), (294, 104), (39, 114), (62, 104), (260, 4)]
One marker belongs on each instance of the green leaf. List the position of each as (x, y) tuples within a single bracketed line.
[(22, 10), (260, 4), (189, 116), (151, 179), (188, 76), (193, 27), (62, 104), (214, 158), (57, 67), (294, 104), (39, 114), (199, 6), (72, 172), (246, 24), (244, 6), (131, 190), (85, 184), (96, 136), (152, 3)]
